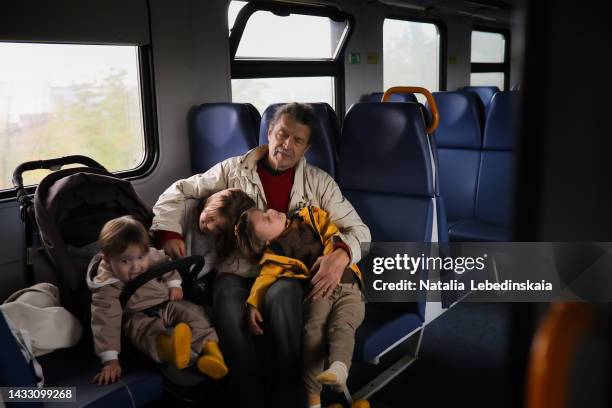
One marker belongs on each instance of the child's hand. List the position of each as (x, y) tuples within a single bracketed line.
[(110, 373), (255, 321), (175, 293)]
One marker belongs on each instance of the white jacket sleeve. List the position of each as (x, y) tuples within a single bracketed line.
[(169, 209), (353, 231)]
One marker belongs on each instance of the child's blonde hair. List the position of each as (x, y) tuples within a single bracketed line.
[(249, 245), (119, 234)]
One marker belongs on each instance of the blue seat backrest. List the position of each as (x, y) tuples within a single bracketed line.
[(220, 131), (458, 140), (396, 97), (485, 93), (386, 171), (495, 194), (323, 152)]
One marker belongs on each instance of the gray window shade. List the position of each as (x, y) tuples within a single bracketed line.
[(75, 21)]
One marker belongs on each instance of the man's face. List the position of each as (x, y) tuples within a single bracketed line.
[(287, 143)]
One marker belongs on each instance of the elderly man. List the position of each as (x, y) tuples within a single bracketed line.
[(274, 176)]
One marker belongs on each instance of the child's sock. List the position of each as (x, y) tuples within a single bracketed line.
[(335, 375), (211, 362), (314, 400), (176, 348)]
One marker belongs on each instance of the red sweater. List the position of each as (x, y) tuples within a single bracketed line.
[(276, 184)]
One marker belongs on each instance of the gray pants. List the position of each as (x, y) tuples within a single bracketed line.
[(142, 329), (331, 322)]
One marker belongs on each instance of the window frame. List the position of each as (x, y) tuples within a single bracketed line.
[(442, 30), (149, 117), (493, 67), (253, 68)]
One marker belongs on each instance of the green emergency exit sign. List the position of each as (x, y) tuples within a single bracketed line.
[(354, 58)]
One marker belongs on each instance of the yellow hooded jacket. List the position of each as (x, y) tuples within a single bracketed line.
[(275, 266)]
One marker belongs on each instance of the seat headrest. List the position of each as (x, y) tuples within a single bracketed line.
[(485, 93), (220, 131), (460, 120), (323, 152), (501, 126), (385, 149), (396, 97)]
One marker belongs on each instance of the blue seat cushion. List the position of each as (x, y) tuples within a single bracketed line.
[(478, 231), (384, 325), (77, 366)]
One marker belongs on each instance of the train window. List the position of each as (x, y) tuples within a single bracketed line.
[(304, 63), (487, 79), (262, 92), (64, 99), (488, 47), (303, 37), (233, 10), (489, 57), (411, 54)]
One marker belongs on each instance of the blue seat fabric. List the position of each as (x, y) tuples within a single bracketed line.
[(220, 131), (386, 172), (477, 183), (396, 97), (458, 144), (485, 93)]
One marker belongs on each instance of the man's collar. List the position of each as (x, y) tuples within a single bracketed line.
[(263, 162)]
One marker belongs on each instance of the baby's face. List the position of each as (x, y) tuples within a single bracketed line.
[(267, 225), (131, 263)]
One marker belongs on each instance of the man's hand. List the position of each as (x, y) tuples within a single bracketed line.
[(327, 271), (174, 248), (110, 373), (255, 321), (175, 293)]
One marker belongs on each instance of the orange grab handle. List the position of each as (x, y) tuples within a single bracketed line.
[(552, 352), (435, 116)]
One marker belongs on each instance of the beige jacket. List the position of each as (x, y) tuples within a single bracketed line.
[(106, 311), (311, 186)]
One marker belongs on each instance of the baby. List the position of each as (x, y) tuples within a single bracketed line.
[(291, 249), (158, 304)]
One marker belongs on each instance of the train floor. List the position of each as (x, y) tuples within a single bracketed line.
[(463, 362)]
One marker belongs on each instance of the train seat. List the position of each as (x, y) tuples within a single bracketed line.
[(495, 189), (458, 140), (323, 153), (76, 367), (485, 93), (387, 172), (221, 130), (396, 97)]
